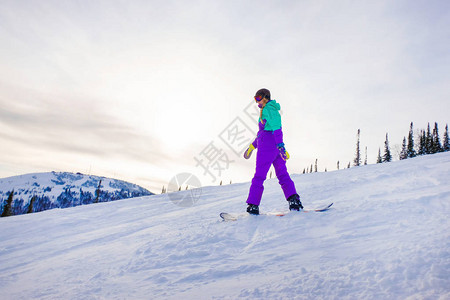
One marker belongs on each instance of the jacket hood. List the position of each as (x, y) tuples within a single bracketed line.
[(273, 104)]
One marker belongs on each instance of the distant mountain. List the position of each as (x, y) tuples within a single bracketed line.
[(62, 189)]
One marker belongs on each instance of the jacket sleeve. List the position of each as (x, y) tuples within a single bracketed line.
[(278, 134), (255, 143), (261, 125)]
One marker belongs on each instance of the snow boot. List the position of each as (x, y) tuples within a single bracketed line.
[(294, 202), (253, 209)]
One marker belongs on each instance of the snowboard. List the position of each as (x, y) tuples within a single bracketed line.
[(236, 216)]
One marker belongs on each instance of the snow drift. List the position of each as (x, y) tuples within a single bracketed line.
[(386, 237)]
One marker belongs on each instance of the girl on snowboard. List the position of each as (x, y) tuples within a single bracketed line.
[(271, 151)]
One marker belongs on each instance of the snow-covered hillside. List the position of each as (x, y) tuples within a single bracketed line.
[(387, 237), (63, 189)]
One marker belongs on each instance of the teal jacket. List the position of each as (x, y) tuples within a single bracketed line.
[(271, 116), (270, 134)]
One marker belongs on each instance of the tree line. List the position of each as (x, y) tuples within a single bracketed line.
[(428, 142)]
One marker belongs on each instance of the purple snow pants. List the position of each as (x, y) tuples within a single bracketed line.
[(267, 155)]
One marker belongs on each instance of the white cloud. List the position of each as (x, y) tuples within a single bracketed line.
[(153, 82)]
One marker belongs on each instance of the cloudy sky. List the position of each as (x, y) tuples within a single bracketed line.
[(144, 90)]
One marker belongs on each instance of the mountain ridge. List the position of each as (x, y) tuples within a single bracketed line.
[(64, 189)]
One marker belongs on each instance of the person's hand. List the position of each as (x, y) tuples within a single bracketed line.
[(283, 153), (249, 151)]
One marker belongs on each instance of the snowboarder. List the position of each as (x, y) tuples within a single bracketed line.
[(271, 151)]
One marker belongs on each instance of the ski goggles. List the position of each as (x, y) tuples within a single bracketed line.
[(258, 98)]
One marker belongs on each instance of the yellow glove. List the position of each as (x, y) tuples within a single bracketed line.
[(249, 151)]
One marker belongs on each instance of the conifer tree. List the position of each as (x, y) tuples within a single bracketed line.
[(357, 161), (387, 152), (31, 205), (337, 165), (422, 143), (379, 159), (446, 145), (7, 209), (436, 140), (428, 141), (404, 152), (315, 166), (365, 159), (97, 192), (410, 151)]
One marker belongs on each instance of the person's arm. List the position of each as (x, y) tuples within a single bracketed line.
[(278, 135), (254, 145)]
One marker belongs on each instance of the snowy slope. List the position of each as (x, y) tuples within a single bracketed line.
[(387, 237), (51, 185)]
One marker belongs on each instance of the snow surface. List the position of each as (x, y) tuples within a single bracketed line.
[(386, 237)]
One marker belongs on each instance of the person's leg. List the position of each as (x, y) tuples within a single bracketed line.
[(287, 185), (264, 160)]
